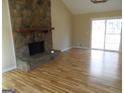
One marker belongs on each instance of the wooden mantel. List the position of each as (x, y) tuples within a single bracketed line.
[(45, 30)]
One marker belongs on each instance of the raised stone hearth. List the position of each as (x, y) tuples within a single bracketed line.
[(27, 62)]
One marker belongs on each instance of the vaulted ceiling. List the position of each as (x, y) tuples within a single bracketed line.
[(86, 6)]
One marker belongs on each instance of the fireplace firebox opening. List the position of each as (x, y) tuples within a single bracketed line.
[(36, 48)]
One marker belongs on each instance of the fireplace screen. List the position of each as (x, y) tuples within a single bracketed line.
[(36, 47)]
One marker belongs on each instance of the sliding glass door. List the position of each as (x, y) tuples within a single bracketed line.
[(106, 34)]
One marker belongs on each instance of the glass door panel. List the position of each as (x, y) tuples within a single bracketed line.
[(98, 34), (113, 34)]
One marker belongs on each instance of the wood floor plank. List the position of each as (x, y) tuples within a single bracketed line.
[(73, 71)]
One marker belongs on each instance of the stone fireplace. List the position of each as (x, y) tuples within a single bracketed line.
[(31, 27)]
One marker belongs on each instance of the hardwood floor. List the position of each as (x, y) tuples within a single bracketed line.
[(74, 71)]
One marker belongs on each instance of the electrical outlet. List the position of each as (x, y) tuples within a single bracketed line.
[(77, 44), (80, 44)]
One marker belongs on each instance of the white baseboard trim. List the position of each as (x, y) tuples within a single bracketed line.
[(81, 47), (8, 69), (66, 49)]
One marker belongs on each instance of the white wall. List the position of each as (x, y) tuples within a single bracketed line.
[(62, 21), (8, 55), (82, 27)]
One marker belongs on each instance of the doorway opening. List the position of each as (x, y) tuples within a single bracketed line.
[(106, 34)]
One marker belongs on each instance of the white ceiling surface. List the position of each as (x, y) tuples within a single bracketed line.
[(86, 6)]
